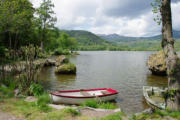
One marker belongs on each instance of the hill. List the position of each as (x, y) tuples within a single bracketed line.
[(86, 37), (90, 41), (118, 38), (140, 43)]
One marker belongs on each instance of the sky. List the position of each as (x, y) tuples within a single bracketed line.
[(124, 17)]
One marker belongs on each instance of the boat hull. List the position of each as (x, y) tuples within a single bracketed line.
[(65, 100), (149, 101), (80, 96)]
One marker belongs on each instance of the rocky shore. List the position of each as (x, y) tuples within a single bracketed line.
[(62, 64)]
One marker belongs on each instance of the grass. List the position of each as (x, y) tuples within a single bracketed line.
[(72, 111), (158, 115), (43, 102), (31, 111), (96, 104), (116, 116), (6, 92), (163, 113)]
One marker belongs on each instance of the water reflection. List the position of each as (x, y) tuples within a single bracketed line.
[(159, 81), (52, 81)]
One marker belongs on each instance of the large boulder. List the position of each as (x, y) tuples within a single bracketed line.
[(157, 64), (68, 68), (61, 60), (50, 62)]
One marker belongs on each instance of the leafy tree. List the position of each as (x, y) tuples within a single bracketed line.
[(45, 20), (15, 22), (67, 42)]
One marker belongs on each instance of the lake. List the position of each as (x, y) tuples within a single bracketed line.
[(125, 71)]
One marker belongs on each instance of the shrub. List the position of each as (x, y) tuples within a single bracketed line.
[(43, 102), (36, 89), (61, 51)]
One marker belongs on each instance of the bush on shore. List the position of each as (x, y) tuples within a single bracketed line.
[(60, 51)]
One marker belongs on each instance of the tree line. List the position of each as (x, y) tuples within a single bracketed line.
[(21, 24)]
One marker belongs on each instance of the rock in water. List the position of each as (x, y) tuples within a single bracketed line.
[(66, 69), (157, 64), (61, 60), (50, 62)]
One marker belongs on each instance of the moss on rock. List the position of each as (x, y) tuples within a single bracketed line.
[(157, 64), (67, 68)]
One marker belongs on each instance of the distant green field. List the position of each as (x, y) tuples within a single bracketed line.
[(147, 45), (141, 45)]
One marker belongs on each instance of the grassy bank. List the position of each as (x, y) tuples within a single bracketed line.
[(39, 110), (31, 111)]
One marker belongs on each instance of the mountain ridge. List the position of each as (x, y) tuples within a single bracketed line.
[(119, 38)]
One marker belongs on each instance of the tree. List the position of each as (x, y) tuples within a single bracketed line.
[(67, 42), (45, 19), (15, 22), (172, 60)]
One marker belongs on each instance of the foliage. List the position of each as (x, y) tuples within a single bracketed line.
[(156, 4), (26, 72), (6, 92), (91, 103), (96, 104), (107, 105), (30, 74), (67, 42), (45, 20), (61, 51), (36, 89), (72, 111), (43, 102), (16, 22)]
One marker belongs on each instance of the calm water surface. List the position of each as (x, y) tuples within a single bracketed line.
[(122, 70)]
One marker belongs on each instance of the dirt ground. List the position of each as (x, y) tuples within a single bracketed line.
[(7, 116)]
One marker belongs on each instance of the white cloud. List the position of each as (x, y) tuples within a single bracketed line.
[(175, 15), (125, 17)]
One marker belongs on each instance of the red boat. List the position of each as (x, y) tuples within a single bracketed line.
[(82, 95)]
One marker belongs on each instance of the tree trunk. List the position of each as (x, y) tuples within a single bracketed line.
[(172, 61)]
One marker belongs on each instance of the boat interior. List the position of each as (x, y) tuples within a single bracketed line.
[(85, 93)]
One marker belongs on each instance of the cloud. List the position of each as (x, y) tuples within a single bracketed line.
[(127, 8), (175, 15), (124, 17)]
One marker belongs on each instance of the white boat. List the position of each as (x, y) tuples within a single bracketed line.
[(80, 96), (154, 97)]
